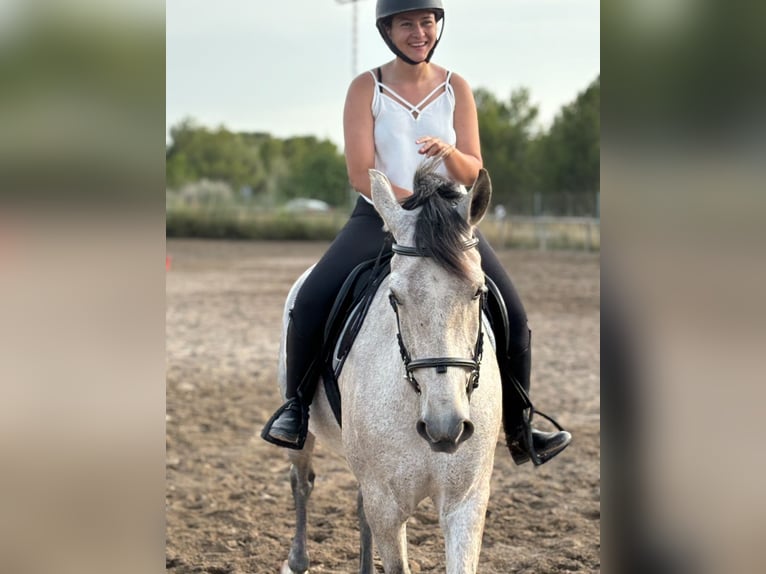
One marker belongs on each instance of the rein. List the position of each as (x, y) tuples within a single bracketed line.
[(440, 363)]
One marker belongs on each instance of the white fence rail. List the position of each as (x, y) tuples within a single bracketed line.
[(544, 232)]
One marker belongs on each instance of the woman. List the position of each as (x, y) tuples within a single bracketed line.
[(384, 130)]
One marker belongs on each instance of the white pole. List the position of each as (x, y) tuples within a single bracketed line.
[(355, 19)]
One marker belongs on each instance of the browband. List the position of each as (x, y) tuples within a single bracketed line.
[(416, 252)]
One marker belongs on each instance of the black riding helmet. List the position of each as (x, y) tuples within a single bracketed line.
[(386, 9)]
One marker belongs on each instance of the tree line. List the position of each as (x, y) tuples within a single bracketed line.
[(526, 162)]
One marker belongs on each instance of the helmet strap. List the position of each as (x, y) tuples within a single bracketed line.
[(431, 53)]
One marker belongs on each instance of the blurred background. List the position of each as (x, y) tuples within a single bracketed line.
[(683, 328), (82, 286)]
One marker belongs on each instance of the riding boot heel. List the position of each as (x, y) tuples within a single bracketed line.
[(521, 446), (518, 455)]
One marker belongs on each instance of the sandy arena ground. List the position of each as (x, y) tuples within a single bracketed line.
[(229, 507)]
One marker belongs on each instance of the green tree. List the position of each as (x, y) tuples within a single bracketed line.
[(318, 171), (220, 155), (568, 158), (507, 130), (274, 169)]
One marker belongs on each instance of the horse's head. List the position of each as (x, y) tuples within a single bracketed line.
[(437, 288)]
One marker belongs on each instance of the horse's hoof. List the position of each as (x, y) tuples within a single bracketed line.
[(286, 569)]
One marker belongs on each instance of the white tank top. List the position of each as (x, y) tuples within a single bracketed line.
[(399, 123)]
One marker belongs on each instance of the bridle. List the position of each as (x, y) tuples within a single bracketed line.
[(440, 363)]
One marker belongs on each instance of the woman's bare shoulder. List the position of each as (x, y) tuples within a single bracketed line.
[(458, 82), (360, 93), (363, 83)]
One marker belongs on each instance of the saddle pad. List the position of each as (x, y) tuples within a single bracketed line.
[(345, 320)]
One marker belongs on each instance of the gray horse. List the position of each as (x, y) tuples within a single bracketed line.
[(416, 422)]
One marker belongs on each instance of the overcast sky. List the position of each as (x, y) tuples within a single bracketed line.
[(283, 67)]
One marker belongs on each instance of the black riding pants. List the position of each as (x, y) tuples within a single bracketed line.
[(361, 239)]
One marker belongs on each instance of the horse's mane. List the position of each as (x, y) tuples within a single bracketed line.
[(440, 230)]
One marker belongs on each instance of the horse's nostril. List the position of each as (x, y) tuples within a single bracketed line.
[(467, 430), (421, 427)]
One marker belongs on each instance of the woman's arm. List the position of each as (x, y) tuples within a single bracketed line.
[(358, 125), (464, 161)]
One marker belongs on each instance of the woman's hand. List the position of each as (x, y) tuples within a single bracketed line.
[(434, 146)]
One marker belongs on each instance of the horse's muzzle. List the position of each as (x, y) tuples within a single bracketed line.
[(445, 437)]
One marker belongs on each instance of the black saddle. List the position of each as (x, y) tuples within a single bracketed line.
[(345, 319)]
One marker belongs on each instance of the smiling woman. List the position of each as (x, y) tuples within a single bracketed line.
[(413, 34), (395, 25), (386, 131)]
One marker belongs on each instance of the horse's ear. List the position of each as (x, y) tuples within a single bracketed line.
[(474, 204), (481, 192), (384, 199)]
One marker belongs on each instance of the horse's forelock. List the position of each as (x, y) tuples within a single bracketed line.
[(440, 230)]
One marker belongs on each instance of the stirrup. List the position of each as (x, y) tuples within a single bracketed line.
[(291, 404), (522, 447)]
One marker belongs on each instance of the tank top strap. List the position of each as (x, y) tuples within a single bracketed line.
[(430, 95), (380, 87), (376, 91), (448, 86), (378, 77), (402, 101)]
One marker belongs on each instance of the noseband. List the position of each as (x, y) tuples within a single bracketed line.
[(440, 363)]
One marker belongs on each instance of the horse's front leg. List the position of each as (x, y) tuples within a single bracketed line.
[(302, 483), (389, 529), (463, 525), (365, 539)]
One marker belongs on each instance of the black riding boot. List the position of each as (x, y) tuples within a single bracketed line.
[(525, 442), (288, 426)]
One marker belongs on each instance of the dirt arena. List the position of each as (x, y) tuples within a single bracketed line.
[(229, 507)]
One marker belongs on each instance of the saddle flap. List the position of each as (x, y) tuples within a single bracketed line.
[(345, 320)]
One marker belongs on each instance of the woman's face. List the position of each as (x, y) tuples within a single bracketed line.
[(414, 33)]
